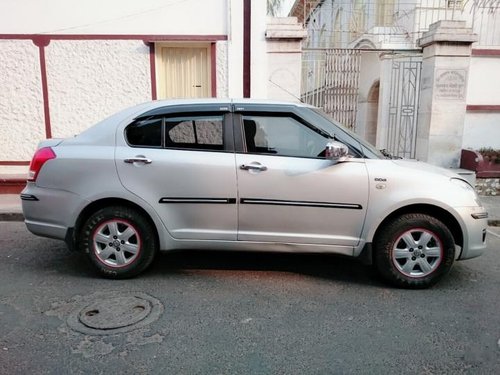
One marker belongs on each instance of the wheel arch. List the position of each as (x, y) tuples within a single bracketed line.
[(437, 212), (93, 206)]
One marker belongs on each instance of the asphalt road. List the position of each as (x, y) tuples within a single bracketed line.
[(246, 313)]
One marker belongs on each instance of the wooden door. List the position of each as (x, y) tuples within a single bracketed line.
[(184, 72)]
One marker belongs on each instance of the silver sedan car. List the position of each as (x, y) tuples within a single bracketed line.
[(252, 176)]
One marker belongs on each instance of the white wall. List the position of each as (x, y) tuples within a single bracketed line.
[(258, 48), (89, 80), (21, 107), (484, 80), (113, 17), (482, 128), (222, 68)]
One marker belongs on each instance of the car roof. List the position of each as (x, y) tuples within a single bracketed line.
[(172, 102), (161, 107), (104, 130)]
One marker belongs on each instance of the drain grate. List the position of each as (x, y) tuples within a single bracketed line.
[(115, 313)]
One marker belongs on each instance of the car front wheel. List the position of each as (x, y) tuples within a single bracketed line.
[(119, 240), (414, 251)]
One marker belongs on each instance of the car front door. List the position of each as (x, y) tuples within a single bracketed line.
[(182, 163), (287, 190)]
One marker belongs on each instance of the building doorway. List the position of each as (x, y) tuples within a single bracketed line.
[(184, 71)]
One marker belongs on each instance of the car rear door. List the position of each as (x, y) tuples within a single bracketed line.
[(181, 161), (288, 192)]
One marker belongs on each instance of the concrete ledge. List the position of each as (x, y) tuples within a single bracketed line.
[(285, 28), (11, 216), (448, 31), (12, 183)]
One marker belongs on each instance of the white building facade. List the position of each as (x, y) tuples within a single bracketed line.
[(66, 65)]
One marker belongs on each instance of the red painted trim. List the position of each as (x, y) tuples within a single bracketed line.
[(13, 180), (213, 69), (12, 188), (247, 29), (483, 107), (41, 41), (486, 52), (45, 92), (9, 162), (147, 37), (152, 68)]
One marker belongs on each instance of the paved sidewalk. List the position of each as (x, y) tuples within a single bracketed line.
[(10, 208)]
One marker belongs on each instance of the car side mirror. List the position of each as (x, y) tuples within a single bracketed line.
[(336, 151)]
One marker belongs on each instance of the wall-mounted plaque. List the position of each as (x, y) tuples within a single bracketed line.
[(450, 84)]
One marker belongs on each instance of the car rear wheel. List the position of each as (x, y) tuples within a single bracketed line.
[(414, 251), (119, 240)]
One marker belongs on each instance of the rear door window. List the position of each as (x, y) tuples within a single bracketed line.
[(193, 132), (145, 133)]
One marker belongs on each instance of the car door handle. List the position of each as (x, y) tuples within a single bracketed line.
[(138, 160), (254, 167)]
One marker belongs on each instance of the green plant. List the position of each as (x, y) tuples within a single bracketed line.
[(490, 154)]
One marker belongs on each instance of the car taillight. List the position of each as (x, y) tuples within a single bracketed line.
[(39, 159)]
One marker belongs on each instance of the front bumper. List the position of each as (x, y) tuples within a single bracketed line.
[(475, 223)]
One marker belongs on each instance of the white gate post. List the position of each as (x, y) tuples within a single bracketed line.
[(445, 68), (284, 48), (384, 100)]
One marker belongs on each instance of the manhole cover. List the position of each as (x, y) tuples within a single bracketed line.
[(115, 313)]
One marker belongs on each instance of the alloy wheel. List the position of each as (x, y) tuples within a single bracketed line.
[(417, 252), (116, 243)]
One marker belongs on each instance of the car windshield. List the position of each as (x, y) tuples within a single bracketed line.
[(331, 126)]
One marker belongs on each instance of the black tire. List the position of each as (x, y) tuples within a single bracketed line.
[(119, 241), (414, 251)]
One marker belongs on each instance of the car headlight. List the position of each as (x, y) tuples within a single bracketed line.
[(468, 188)]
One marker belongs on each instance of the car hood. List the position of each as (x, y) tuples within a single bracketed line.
[(424, 167)]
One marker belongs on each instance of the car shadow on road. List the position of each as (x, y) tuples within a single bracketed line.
[(322, 266), (244, 265)]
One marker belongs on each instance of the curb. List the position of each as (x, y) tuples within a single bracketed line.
[(11, 216)]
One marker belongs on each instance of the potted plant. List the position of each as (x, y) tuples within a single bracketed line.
[(485, 162)]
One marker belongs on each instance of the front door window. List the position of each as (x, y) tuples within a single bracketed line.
[(283, 136)]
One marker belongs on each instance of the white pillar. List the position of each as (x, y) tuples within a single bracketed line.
[(235, 49), (384, 100), (443, 88), (284, 58)]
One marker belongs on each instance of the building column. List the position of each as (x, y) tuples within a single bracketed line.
[(284, 62), (384, 101), (441, 114)]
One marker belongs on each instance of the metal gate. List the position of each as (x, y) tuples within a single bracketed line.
[(330, 80), (403, 106), (341, 85)]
